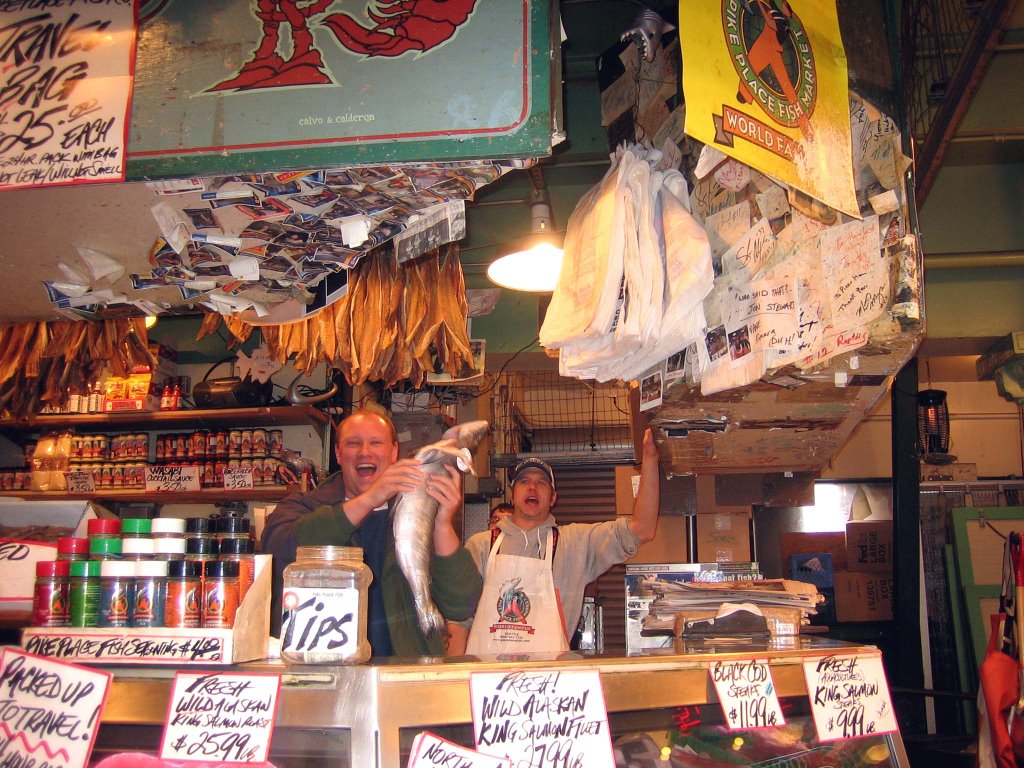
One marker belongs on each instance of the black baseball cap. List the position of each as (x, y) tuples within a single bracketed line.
[(532, 463)]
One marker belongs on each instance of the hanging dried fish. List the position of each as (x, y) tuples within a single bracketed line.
[(41, 363)]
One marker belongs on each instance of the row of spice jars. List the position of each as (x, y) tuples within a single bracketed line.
[(132, 446), (15, 480), (216, 528), (222, 444), (179, 593)]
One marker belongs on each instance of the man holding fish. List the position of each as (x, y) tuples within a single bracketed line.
[(422, 577), (535, 571)]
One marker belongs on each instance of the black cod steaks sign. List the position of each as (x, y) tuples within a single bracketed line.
[(65, 85)]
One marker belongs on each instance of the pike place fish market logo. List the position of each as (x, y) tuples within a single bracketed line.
[(513, 604), (772, 55)]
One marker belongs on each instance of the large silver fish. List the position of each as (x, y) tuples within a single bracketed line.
[(414, 513)]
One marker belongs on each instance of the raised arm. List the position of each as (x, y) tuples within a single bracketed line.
[(646, 507)]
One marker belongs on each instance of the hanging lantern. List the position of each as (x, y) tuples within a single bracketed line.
[(933, 427)]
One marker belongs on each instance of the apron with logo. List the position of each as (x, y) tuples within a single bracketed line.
[(518, 610)]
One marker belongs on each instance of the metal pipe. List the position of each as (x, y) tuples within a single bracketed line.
[(974, 260)]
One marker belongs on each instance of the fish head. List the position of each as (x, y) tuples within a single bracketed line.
[(467, 435)]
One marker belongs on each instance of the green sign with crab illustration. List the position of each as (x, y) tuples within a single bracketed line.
[(254, 85)]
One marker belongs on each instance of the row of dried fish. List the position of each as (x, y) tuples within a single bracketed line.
[(41, 363), (397, 322)]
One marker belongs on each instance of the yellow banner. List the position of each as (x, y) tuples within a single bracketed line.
[(765, 82)]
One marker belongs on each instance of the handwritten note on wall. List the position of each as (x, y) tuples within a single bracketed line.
[(748, 254), (431, 750), (542, 718), (849, 696), (769, 309), (220, 717), (747, 693), (64, 91), (856, 273), (50, 711)]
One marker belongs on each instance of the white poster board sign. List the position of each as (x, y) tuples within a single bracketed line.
[(67, 74), (51, 710), (849, 697), (747, 693), (219, 717), (430, 750), (542, 717)]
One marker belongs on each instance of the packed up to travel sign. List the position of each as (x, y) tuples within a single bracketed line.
[(65, 87)]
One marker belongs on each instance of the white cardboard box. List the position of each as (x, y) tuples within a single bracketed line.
[(18, 556)]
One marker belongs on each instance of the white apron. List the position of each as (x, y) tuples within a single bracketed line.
[(518, 610)]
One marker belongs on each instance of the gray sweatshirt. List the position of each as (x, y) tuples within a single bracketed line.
[(584, 552)]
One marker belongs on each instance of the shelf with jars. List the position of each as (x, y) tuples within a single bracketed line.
[(91, 456)]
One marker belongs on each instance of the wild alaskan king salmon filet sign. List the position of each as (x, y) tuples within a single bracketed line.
[(541, 718), (64, 91), (49, 711)]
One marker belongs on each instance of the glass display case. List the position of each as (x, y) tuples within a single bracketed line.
[(662, 709)]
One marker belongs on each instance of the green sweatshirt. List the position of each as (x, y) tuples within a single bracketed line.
[(455, 581)]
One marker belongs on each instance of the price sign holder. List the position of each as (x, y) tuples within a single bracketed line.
[(849, 696), (747, 693), (80, 482), (236, 478), (220, 717), (172, 479)]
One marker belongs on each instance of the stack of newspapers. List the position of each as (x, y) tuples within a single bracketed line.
[(785, 604)]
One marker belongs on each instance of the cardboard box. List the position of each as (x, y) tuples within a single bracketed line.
[(869, 546), (248, 640), (627, 481), (863, 596), (668, 545), (723, 537), (22, 552), (799, 543)]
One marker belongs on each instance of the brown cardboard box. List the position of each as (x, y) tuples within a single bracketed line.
[(863, 596), (869, 546), (800, 543), (707, 499), (723, 537), (626, 480), (668, 545)]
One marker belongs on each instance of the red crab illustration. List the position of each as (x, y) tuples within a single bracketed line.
[(401, 26)]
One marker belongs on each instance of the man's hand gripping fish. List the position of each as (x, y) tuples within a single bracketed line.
[(414, 513)]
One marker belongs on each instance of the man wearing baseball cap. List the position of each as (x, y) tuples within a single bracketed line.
[(535, 571)]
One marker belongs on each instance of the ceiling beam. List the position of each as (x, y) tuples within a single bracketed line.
[(963, 85)]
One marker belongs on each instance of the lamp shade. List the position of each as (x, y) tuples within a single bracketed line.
[(533, 264), (933, 426)]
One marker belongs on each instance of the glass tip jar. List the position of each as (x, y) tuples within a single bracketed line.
[(324, 605)]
